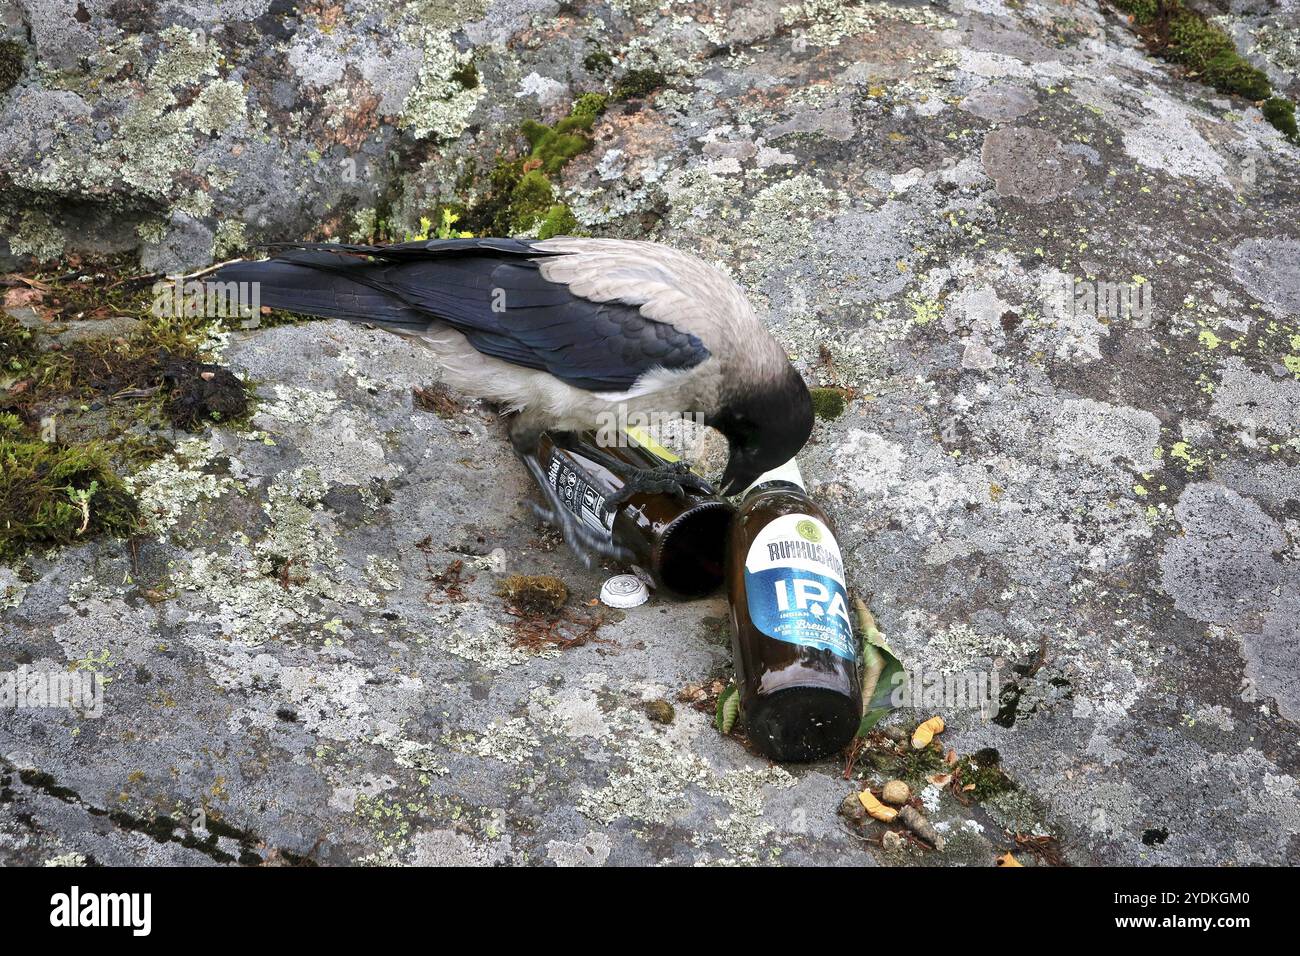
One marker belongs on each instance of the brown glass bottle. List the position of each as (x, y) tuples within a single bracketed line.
[(796, 657), (682, 543)]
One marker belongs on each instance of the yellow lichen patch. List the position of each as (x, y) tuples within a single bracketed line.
[(875, 808), (1182, 452), (925, 732)]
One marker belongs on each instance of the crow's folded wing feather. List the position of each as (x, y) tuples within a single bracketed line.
[(491, 290)]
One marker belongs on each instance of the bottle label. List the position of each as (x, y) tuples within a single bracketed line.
[(578, 494), (794, 579)]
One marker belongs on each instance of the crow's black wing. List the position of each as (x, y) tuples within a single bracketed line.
[(491, 290)]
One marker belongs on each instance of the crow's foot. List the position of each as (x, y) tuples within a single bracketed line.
[(672, 478)]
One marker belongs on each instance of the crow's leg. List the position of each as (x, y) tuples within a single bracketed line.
[(588, 545), (672, 477)]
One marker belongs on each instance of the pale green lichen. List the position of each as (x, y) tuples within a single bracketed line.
[(12, 588), (36, 236), (830, 22), (155, 139), (440, 103), (511, 741), (230, 239), (175, 486), (658, 769), (265, 589)]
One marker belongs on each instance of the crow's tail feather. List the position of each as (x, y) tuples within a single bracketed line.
[(422, 249), (315, 282)]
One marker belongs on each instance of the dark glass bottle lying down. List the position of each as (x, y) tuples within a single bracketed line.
[(796, 657), (680, 541)]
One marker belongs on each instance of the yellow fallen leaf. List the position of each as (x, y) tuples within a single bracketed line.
[(875, 808), (1006, 859), (925, 732)]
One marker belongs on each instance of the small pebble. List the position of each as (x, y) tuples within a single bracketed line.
[(852, 808), (896, 792)]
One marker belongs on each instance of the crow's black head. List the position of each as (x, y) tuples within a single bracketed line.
[(765, 428)]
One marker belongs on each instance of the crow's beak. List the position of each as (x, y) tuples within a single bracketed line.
[(738, 475)]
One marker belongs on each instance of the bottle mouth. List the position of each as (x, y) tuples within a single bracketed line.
[(690, 557)]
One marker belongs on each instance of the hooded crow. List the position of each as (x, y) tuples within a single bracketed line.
[(564, 332)]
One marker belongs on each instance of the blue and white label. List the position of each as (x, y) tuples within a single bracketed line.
[(794, 577)]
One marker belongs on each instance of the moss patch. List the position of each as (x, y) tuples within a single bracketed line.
[(828, 403), (11, 64), (53, 494), (598, 62), (1185, 37), (192, 392), (638, 84), (1281, 113), (157, 363), (76, 416), (18, 354), (535, 594), (521, 197), (982, 770)]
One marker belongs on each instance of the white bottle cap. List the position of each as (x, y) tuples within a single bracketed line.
[(624, 591), (789, 472)]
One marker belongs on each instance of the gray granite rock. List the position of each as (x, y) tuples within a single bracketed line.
[(1098, 505)]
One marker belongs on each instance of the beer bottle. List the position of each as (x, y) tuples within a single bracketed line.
[(680, 541), (795, 654)]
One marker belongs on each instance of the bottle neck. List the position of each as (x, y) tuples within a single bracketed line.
[(783, 475)]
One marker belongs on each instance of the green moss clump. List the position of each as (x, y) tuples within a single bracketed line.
[(828, 403), (1184, 36), (553, 146), (521, 197), (466, 75), (531, 198), (53, 494), (984, 771), (535, 594), (587, 107), (12, 54), (18, 354), (559, 221), (913, 766), (1281, 113), (1210, 51), (598, 62), (637, 84), (1142, 11)]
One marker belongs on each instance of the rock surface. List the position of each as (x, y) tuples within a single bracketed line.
[(1052, 273)]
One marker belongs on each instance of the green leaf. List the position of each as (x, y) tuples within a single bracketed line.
[(882, 671), (728, 709)]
